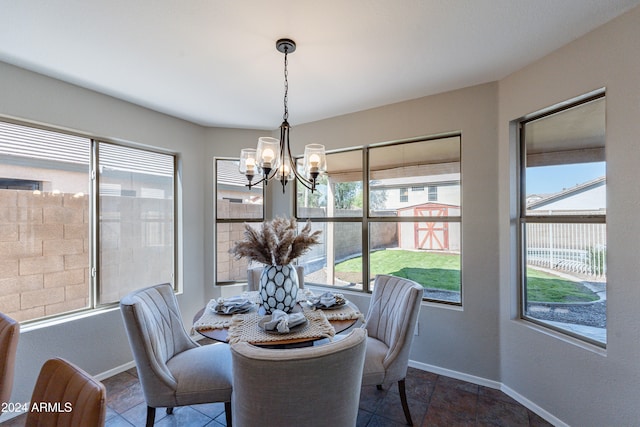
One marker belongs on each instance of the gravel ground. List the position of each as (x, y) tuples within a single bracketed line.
[(590, 314), (594, 314), (442, 295)]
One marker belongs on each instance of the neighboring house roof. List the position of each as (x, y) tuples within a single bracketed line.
[(540, 201)]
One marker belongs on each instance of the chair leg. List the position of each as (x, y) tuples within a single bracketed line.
[(227, 413), (151, 416), (403, 399), (169, 411)]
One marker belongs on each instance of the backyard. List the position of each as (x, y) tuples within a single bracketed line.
[(441, 271)]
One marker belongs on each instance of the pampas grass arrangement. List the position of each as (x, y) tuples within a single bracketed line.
[(277, 242)]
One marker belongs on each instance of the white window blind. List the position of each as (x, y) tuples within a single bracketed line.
[(22, 141)]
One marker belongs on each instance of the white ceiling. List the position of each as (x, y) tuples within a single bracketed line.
[(214, 62)]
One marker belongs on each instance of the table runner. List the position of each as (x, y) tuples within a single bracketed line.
[(244, 327)]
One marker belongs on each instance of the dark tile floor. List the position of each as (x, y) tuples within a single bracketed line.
[(434, 400)]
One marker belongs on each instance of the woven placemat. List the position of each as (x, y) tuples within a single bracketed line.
[(244, 328), (346, 312), (212, 320)]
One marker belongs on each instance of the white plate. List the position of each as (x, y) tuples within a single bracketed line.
[(293, 329)]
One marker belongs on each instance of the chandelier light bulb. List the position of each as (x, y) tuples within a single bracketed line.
[(251, 165), (267, 157), (314, 160)]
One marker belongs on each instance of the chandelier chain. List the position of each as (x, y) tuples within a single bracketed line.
[(286, 85)]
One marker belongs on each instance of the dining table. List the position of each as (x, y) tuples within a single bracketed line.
[(321, 323)]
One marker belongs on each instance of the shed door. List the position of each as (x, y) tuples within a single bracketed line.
[(432, 235)]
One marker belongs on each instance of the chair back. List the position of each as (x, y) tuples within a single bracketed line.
[(253, 277), (392, 316), (156, 333), (9, 334), (311, 386), (66, 396)]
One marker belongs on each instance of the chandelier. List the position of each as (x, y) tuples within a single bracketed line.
[(272, 158)]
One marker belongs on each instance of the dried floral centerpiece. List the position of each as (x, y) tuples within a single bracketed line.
[(277, 243)]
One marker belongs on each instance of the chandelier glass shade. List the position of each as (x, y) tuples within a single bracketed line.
[(272, 158)]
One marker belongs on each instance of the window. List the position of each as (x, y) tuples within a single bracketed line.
[(563, 219), (20, 184), (136, 221), (369, 229), (46, 221), (433, 193), (420, 241), (404, 195), (236, 205), (336, 209)]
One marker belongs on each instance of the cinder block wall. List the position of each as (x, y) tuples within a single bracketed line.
[(229, 268), (44, 253)]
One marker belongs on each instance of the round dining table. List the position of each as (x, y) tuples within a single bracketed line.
[(222, 334)]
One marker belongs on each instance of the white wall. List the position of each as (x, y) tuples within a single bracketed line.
[(578, 384), (463, 340)]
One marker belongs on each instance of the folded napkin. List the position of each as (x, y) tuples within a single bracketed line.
[(282, 322), (326, 300), (232, 305)]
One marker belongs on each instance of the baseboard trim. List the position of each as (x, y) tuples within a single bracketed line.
[(491, 384), (533, 407), (115, 371), (455, 374)]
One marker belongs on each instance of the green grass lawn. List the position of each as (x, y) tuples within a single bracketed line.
[(545, 287), (442, 271), (431, 270)]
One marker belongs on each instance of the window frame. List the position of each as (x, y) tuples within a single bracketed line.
[(96, 213), (367, 219), (524, 219), (94, 304), (339, 219), (230, 221)]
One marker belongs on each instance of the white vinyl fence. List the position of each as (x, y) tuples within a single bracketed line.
[(573, 248)]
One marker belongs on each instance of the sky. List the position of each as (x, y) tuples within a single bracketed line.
[(552, 179)]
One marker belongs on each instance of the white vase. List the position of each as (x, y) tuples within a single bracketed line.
[(278, 288)]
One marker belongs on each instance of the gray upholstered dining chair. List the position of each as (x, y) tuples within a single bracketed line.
[(391, 320), (253, 277), (9, 334), (173, 369), (83, 399), (310, 386)]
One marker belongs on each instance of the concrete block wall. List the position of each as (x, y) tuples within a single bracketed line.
[(136, 244), (44, 253), (229, 268)]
